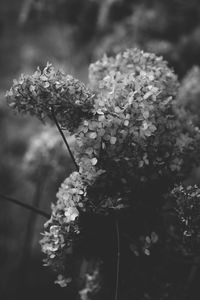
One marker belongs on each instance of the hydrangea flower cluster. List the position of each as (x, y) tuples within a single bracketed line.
[(134, 134), (131, 133), (62, 228), (54, 245), (138, 127), (49, 89), (185, 234)]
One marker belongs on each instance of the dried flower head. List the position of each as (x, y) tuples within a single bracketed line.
[(62, 228), (134, 135), (139, 128), (49, 89)]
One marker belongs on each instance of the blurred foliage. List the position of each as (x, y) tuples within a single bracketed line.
[(168, 28)]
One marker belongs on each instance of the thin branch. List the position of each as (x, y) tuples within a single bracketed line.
[(118, 258), (27, 206), (64, 138)]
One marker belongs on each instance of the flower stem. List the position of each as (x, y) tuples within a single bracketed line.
[(64, 138), (27, 206), (118, 258)]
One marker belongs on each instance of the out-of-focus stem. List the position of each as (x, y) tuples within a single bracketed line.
[(27, 206)]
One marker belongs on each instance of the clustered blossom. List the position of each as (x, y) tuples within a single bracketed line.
[(63, 226), (133, 135), (136, 62), (49, 89), (185, 233), (128, 129), (46, 151), (71, 193), (189, 94), (57, 245), (137, 126)]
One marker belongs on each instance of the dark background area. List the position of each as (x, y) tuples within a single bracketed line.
[(70, 34)]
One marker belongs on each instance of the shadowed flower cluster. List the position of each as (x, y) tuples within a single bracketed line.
[(128, 132), (62, 228), (136, 128), (185, 233), (134, 134)]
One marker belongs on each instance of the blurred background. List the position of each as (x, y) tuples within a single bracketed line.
[(70, 34)]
